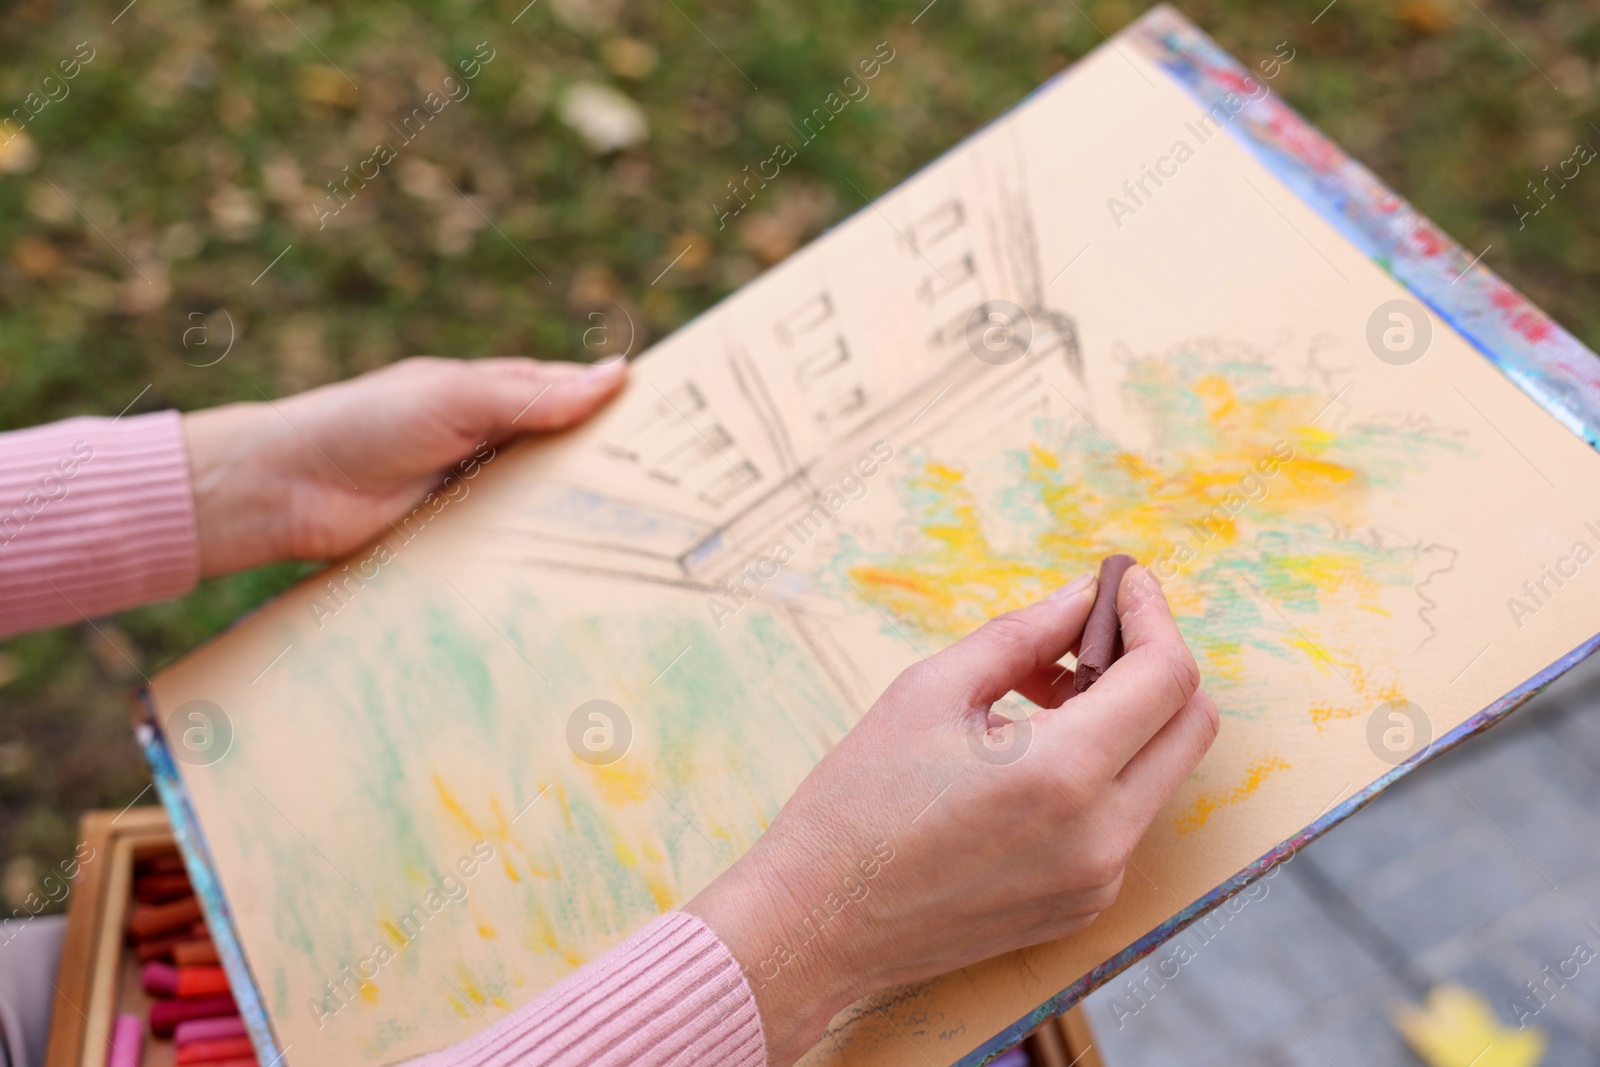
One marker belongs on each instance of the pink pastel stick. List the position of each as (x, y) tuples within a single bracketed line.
[(159, 979), (193, 1030), (127, 1042), (165, 1015)]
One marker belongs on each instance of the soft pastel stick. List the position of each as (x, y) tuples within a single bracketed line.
[(165, 863), (127, 1042), (190, 953), (152, 920), (208, 1029), (160, 948), (159, 979), (223, 1048), (165, 1015), (201, 981), (160, 888)]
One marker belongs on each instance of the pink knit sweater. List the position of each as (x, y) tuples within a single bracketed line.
[(96, 516)]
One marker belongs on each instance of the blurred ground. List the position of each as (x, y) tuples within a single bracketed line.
[(178, 193), (1481, 871)]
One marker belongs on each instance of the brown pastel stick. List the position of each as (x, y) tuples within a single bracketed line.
[(1102, 634), (153, 920), (190, 953), (159, 948)]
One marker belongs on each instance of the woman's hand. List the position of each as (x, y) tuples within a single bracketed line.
[(314, 476), (937, 834)]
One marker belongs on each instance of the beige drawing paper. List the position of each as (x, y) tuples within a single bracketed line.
[(819, 480)]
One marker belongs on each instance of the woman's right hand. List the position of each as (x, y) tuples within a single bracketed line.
[(936, 834)]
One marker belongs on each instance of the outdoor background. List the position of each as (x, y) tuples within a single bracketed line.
[(139, 212)]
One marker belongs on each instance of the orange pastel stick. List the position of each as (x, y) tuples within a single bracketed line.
[(202, 981)]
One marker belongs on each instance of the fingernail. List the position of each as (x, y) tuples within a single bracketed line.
[(1147, 584), (1077, 585)]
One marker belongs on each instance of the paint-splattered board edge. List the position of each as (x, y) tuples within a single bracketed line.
[(197, 859), (1539, 356)]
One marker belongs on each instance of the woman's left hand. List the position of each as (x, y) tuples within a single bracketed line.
[(316, 475)]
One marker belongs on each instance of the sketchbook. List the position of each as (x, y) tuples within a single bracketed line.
[(1148, 310)]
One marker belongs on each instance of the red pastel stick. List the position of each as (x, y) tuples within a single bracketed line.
[(165, 863), (222, 1048), (209, 1029), (165, 1015), (201, 981), (160, 888), (159, 979)]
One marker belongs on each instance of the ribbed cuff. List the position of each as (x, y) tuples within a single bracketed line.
[(671, 995), (96, 515)]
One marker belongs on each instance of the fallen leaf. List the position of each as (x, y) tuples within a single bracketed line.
[(20, 879), (235, 212), (325, 86), (18, 155), (604, 118), (630, 57), (1455, 1027), (1426, 16), (36, 258)]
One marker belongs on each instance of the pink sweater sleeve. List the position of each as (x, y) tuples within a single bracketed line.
[(671, 995), (96, 515)]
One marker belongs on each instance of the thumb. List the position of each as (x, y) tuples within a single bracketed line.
[(508, 396), (1006, 651)]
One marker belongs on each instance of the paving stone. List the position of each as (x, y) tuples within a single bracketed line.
[(1305, 966), (1458, 898), (1162, 1033), (1577, 731), (1549, 957), (1537, 800), (1565, 1044), (1363, 1035), (1391, 829), (1497, 982)]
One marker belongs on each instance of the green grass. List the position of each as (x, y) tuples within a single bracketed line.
[(190, 140)]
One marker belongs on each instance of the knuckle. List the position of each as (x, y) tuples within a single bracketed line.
[(1213, 721), (1102, 898), (1183, 671), (910, 681), (1099, 866), (1010, 630), (1070, 794)]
